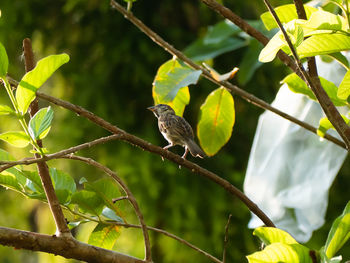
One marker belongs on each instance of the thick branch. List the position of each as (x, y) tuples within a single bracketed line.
[(64, 246), (242, 93), (315, 85), (43, 169)]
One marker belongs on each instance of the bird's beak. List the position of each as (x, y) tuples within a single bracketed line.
[(152, 108)]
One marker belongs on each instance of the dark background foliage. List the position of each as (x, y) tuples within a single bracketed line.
[(110, 73)]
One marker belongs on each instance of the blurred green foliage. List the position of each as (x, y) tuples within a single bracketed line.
[(110, 73)]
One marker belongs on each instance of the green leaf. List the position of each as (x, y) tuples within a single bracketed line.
[(323, 20), (344, 87), (88, 201), (271, 235), (339, 233), (104, 236), (178, 104), (340, 58), (110, 214), (268, 53), (35, 78), (40, 123), (281, 252), (325, 125), (5, 110), (17, 138), (13, 171), (4, 61), (217, 116), (171, 77), (285, 13), (10, 181), (297, 85), (107, 190), (220, 31), (33, 182), (323, 44), (201, 50), (64, 185)]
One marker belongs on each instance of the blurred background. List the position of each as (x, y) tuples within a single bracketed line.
[(111, 70)]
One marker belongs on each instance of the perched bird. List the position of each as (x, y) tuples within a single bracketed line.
[(176, 130)]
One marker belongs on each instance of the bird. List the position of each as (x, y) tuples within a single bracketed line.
[(176, 130)]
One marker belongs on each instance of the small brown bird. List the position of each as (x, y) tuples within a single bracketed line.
[(176, 130)]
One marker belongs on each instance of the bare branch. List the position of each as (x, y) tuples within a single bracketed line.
[(64, 246), (242, 93), (226, 239), (43, 169), (129, 194)]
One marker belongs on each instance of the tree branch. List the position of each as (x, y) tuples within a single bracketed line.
[(129, 194), (43, 169), (64, 246), (245, 95), (315, 85)]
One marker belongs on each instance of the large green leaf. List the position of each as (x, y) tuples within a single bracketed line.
[(220, 32), (171, 77), (178, 104), (64, 185), (297, 85), (88, 201), (217, 117), (13, 171), (339, 233), (16, 138), (285, 13), (344, 87), (10, 181), (323, 44), (323, 20), (201, 50), (271, 235), (281, 252), (35, 78), (40, 124), (4, 62), (104, 236)]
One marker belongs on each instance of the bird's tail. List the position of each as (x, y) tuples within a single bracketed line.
[(195, 150)]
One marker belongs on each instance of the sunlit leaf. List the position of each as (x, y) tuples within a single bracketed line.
[(297, 85), (17, 138), (285, 13), (281, 252), (271, 235), (322, 44), (10, 181), (339, 233), (217, 116), (4, 62), (5, 110), (13, 171), (104, 236), (325, 125), (171, 77), (268, 53), (344, 87), (40, 123), (64, 185), (35, 78), (323, 20)]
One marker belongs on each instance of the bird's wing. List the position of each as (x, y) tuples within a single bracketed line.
[(181, 126)]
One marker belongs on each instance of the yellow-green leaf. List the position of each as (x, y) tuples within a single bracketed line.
[(104, 236), (18, 138), (5, 110), (35, 78), (4, 62), (344, 87), (271, 235), (217, 117)]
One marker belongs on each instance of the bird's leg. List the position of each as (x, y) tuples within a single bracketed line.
[(166, 148), (185, 153)]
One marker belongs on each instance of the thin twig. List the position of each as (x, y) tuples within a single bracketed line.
[(226, 239), (114, 200), (315, 85), (242, 93), (43, 169), (129, 194)]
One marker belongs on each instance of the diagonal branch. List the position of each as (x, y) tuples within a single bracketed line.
[(242, 93), (43, 169), (63, 246)]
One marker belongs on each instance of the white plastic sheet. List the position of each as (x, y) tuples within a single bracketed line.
[(290, 169)]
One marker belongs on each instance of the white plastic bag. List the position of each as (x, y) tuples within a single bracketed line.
[(290, 169)]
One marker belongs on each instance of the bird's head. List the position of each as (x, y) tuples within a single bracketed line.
[(161, 109)]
